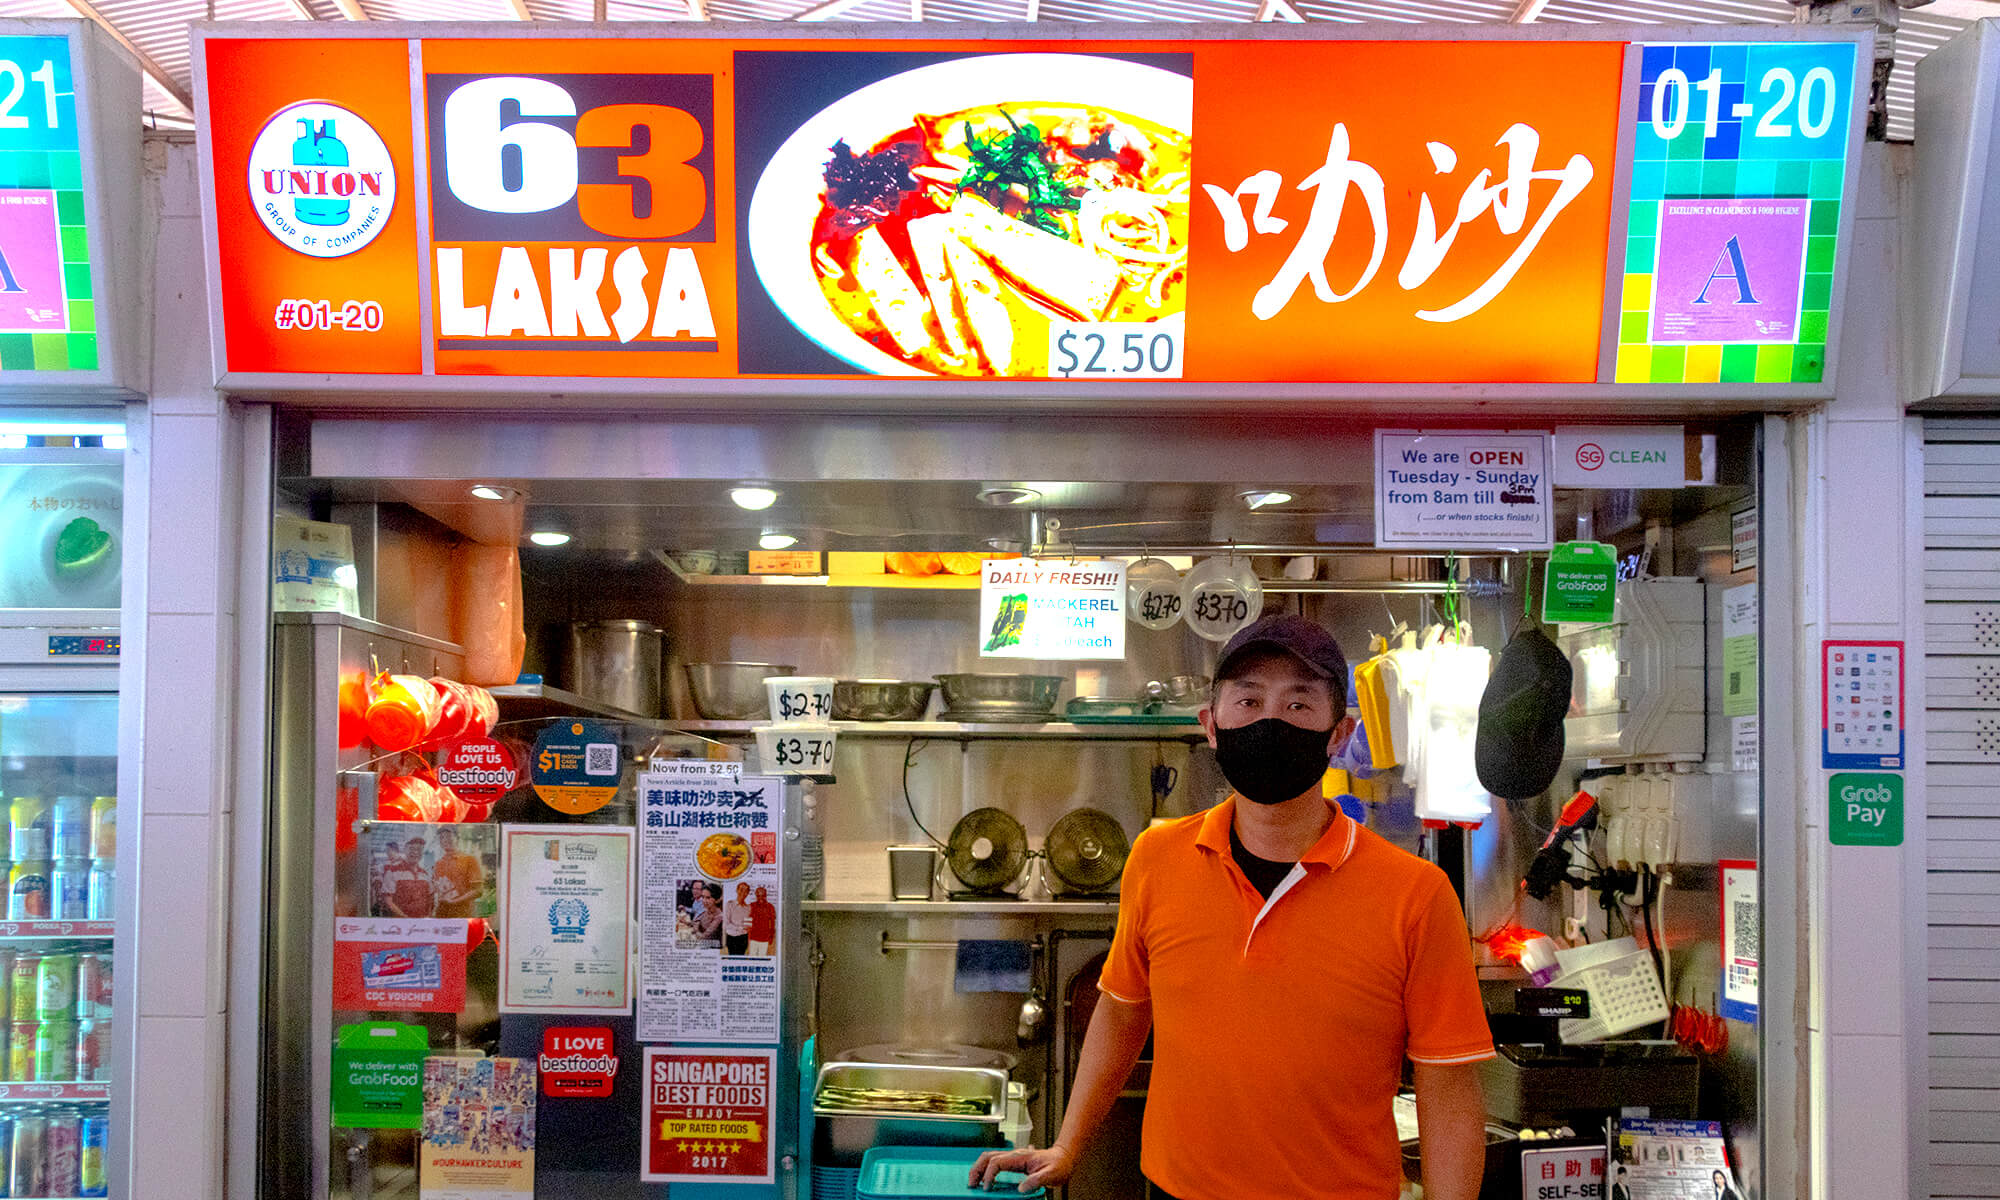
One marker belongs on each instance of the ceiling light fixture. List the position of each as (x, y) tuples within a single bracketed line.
[(755, 499), (1001, 497), (1265, 498), (486, 491), (549, 537), (777, 541)]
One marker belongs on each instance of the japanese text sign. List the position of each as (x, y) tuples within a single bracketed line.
[(1187, 213)]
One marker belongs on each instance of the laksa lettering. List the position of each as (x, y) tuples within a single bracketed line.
[(1509, 201)]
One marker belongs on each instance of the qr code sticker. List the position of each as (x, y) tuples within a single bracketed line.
[(600, 758), (1744, 928)]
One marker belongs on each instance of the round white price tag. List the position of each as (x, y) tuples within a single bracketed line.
[(1153, 593), (1221, 596)]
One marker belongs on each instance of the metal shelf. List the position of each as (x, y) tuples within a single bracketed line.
[(967, 731), (538, 701), (55, 1093), (42, 931), (965, 908)]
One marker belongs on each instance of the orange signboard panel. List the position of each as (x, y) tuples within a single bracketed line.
[(1213, 212)]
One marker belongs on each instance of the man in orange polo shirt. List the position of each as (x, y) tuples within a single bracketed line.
[(1282, 1014)]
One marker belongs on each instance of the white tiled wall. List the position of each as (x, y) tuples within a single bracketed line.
[(1856, 554), (183, 605)]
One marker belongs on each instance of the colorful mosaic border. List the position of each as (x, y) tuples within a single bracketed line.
[(1744, 158), (44, 157)]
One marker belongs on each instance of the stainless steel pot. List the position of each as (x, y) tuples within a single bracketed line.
[(989, 696), (616, 663), (881, 699), (733, 691)]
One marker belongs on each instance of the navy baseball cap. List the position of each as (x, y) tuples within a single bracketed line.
[(1304, 640)]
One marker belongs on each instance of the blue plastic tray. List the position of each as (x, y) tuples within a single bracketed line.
[(929, 1173)]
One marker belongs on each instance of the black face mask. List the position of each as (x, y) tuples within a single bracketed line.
[(1272, 760)]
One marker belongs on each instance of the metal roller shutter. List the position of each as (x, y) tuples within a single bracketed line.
[(1962, 789)]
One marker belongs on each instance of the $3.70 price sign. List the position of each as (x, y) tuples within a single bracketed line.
[(1226, 605), (802, 752), (1116, 349), (786, 751)]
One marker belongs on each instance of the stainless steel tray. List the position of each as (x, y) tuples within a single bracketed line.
[(850, 1132)]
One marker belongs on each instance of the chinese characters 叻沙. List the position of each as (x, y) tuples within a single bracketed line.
[(1508, 200)]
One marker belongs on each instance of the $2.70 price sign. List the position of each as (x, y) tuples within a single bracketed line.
[(1116, 349), (817, 706), (1160, 604)]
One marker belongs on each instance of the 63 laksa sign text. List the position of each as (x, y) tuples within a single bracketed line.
[(647, 207)]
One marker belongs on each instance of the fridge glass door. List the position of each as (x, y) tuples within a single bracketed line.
[(58, 779)]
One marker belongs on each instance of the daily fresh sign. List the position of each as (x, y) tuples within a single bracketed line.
[(1029, 608), (659, 207)]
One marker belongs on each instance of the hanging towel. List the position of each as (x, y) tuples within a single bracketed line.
[(991, 965)]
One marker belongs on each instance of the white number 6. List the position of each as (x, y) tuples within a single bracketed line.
[(475, 146)]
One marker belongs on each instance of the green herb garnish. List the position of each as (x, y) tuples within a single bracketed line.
[(1018, 157)]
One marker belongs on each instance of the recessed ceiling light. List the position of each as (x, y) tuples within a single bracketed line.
[(488, 492), (777, 541), (116, 441), (1265, 499), (1000, 497), (549, 537), (756, 499)]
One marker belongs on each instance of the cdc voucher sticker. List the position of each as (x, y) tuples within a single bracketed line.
[(1443, 491)]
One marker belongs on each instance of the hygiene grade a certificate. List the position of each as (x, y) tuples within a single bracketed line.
[(566, 934)]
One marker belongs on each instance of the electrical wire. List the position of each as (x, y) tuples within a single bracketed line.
[(1660, 915), (1652, 884), (909, 752)]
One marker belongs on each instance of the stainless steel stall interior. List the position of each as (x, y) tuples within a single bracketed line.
[(659, 540)]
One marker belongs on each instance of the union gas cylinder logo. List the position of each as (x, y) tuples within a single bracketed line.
[(321, 179)]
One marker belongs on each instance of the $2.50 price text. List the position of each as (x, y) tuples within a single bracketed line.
[(1115, 349)]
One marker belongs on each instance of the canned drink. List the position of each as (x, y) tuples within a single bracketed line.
[(104, 827), (6, 1151), (29, 837), (21, 985), (103, 904), (69, 884), (62, 1152), (69, 827), (28, 890), (55, 986), (96, 1136), (55, 1050), (93, 1052), (21, 1051), (27, 1174), (90, 969)]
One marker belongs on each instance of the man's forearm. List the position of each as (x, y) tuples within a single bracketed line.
[(1451, 1121), (1117, 1034)]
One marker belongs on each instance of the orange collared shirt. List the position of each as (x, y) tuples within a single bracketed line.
[(1280, 1026)]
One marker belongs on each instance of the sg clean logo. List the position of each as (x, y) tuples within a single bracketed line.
[(321, 179)]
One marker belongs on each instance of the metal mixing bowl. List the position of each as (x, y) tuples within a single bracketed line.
[(881, 699), (732, 691), (981, 696)]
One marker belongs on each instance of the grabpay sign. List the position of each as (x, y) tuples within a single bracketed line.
[(1031, 609), (1865, 809)]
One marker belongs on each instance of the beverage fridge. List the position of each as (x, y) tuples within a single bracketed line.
[(60, 502)]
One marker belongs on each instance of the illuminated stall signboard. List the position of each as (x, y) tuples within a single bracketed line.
[(917, 215), (68, 189)]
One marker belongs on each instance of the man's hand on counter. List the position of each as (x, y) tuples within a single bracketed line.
[(1051, 1166)]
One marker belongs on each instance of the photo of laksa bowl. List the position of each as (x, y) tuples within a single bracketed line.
[(938, 221)]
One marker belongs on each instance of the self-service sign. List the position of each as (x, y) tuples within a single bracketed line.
[(1186, 213), (1565, 1173)]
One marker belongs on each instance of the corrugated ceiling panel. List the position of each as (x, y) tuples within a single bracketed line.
[(745, 10), (975, 10), (437, 10), (1404, 11), (652, 10), (19, 9), (560, 10), (159, 27), (1171, 11)]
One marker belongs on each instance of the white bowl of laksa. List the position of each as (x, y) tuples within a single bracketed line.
[(938, 221)]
